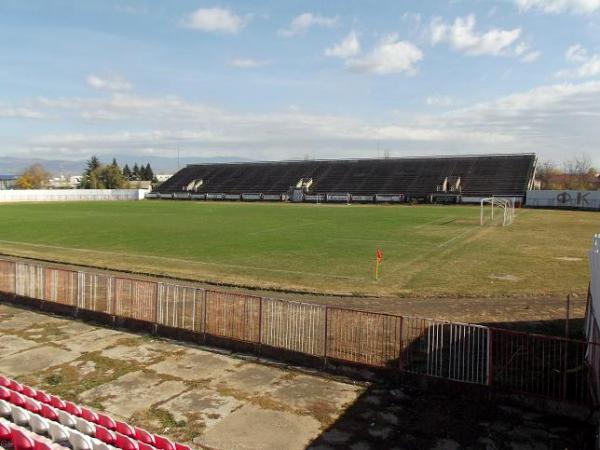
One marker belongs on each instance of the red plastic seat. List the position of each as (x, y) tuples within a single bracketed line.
[(89, 415), (107, 422), (4, 393), (144, 446), (163, 443), (21, 441), (39, 445), (72, 409), (41, 396), (15, 386), (5, 432), (17, 399), (48, 412), (28, 391), (4, 381), (32, 405), (143, 436), (57, 402), (105, 435), (125, 429), (126, 443)]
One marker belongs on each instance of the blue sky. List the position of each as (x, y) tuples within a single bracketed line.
[(277, 79)]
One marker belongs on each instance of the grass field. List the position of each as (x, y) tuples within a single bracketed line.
[(428, 250)]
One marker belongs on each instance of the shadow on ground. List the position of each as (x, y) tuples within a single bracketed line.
[(555, 327), (404, 417), (403, 414)]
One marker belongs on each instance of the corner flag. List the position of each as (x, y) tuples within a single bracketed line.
[(378, 258)]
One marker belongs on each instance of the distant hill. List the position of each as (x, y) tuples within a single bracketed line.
[(10, 165)]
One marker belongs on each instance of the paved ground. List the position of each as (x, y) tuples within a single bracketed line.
[(192, 395), (218, 401)]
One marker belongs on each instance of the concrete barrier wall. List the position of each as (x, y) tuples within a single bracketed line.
[(563, 199), (64, 195)]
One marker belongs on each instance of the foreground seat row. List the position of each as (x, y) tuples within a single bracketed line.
[(50, 420)]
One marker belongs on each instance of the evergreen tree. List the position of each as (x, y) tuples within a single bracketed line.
[(148, 173), (93, 164), (143, 172), (127, 172), (91, 178), (136, 172)]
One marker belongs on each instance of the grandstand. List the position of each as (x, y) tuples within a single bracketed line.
[(31, 419), (436, 179)]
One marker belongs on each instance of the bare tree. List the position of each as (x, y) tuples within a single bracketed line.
[(577, 171)]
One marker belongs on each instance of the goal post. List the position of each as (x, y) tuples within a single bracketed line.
[(506, 207)]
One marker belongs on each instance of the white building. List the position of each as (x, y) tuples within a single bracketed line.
[(163, 176), (7, 181)]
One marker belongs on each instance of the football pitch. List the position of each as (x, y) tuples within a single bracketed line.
[(428, 251)]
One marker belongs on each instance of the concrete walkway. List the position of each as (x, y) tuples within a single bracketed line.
[(218, 401), (192, 395)]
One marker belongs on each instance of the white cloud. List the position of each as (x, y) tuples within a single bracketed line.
[(302, 23), (530, 57), (248, 63), (411, 17), (590, 68), (576, 53), (525, 54), (121, 106), (589, 64), (551, 120), (349, 46), (110, 83), (439, 100), (462, 37), (20, 112), (390, 55), (215, 20), (130, 9), (559, 6)]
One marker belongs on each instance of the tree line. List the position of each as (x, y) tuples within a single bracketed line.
[(576, 173), (111, 176), (95, 176)]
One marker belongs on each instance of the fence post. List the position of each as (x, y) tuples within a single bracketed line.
[(568, 307), (76, 312), (15, 281), (564, 369), (260, 306), (325, 337), (156, 308), (204, 318), (401, 352), (113, 300), (490, 364)]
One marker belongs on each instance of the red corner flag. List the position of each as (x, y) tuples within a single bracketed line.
[(379, 257)]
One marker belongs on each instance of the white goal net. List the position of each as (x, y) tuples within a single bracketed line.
[(494, 209)]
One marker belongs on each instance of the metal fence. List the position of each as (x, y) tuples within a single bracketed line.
[(520, 362), (592, 316)]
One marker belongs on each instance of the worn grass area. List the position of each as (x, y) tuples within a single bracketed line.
[(428, 250)]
